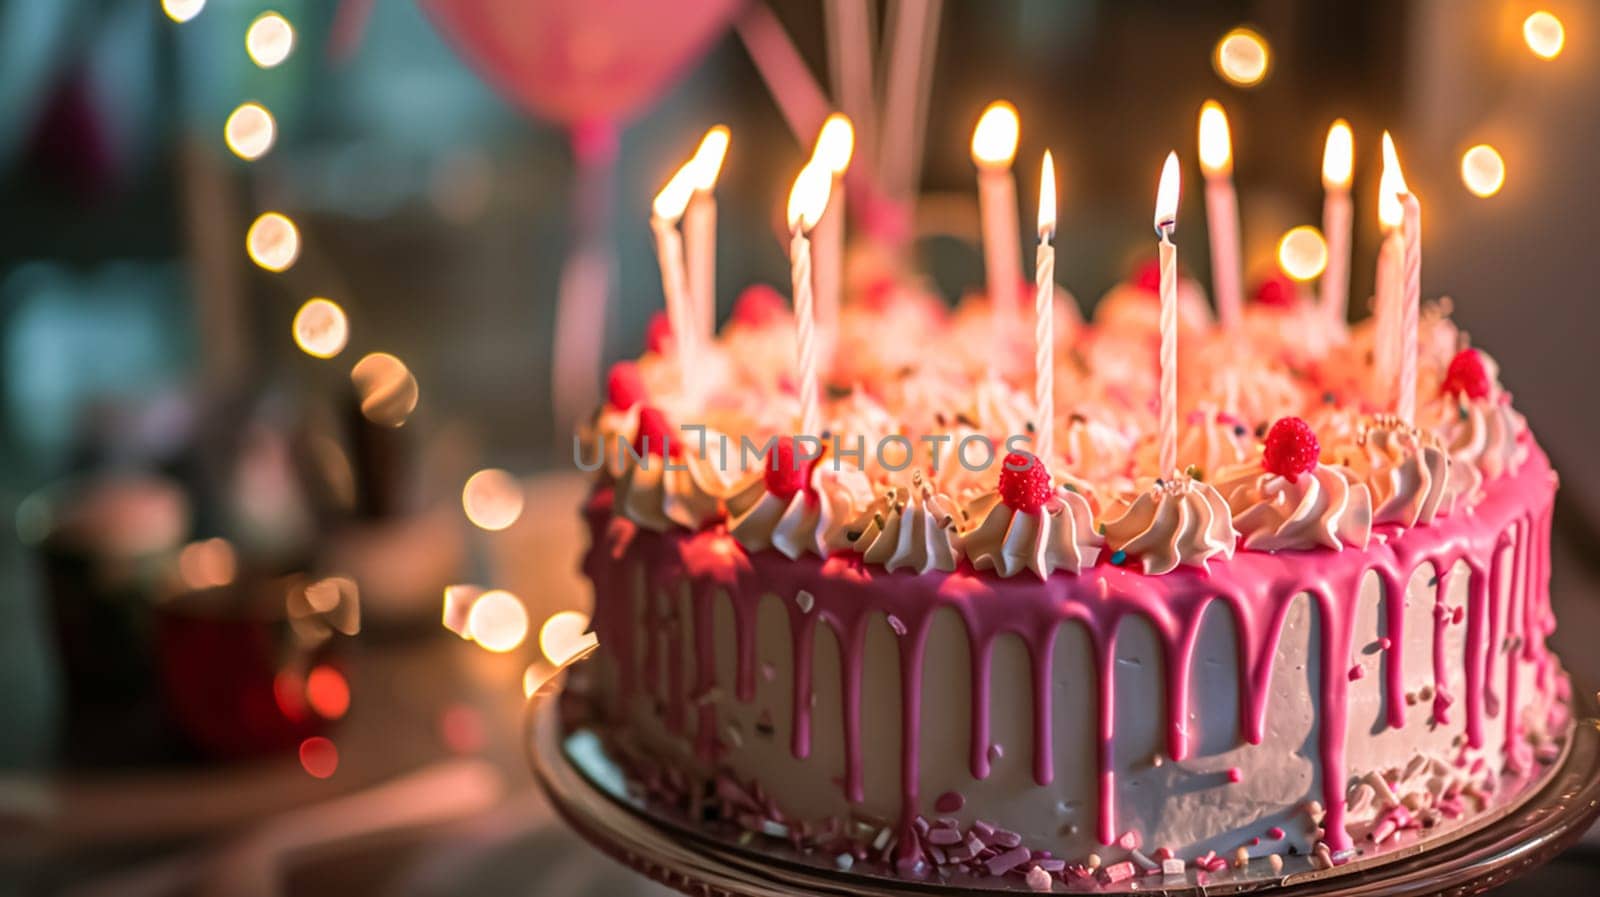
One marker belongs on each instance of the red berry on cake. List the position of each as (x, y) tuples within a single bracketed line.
[(1468, 376), (1291, 448), (655, 438), (1024, 482), (760, 305), (1277, 291), (1148, 276), (658, 333), (784, 475), (624, 386)]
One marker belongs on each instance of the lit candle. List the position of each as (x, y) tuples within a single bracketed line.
[(668, 209), (835, 143), (1166, 222), (1386, 300), (1338, 163), (1409, 293), (807, 200), (1222, 213), (1044, 300), (994, 145), (700, 229)]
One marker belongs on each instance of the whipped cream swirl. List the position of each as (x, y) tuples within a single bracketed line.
[(1176, 521), (812, 521), (1320, 508), (910, 528), (1406, 470), (1058, 536), (658, 493)]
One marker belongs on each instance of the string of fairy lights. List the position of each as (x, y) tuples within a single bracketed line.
[(492, 499)]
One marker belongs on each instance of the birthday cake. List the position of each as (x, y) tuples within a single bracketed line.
[(910, 642)]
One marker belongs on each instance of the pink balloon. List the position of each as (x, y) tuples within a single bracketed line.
[(574, 61)]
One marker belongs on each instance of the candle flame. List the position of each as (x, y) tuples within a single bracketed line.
[(809, 196), (1544, 34), (707, 161), (835, 144), (1047, 196), (1391, 186), (1302, 253), (1216, 146), (674, 197), (1167, 195), (994, 140), (1338, 156)]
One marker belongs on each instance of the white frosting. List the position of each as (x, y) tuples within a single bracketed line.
[(659, 493), (1406, 470), (812, 521), (1321, 508), (911, 528), (1059, 536), (1176, 521)]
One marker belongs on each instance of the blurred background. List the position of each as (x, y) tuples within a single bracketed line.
[(246, 453)]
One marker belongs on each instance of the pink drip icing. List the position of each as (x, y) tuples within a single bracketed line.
[(1394, 604), (1257, 588), (1441, 671)]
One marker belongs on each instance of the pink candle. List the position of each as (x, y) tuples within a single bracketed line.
[(668, 210), (835, 143), (1166, 221), (1044, 300), (1222, 213), (1338, 163), (1409, 293), (994, 145), (700, 230), (807, 200), (1387, 340)]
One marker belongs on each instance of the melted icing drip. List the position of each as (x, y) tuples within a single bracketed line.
[(1257, 589)]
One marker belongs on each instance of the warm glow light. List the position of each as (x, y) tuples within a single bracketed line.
[(1242, 57), (835, 144), (492, 499), (809, 196), (1047, 195), (321, 328), (319, 757), (674, 197), (181, 11), (1216, 146), (497, 621), (250, 131), (269, 40), (1544, 34), (1167, 194), (458, 600), (273, 241), (1483, 171), (1391, 185), (1302, 253), (566, 636), (707, 161), (386, 388), (207, 564), (1338, 156), (994, 140), (327, 692)]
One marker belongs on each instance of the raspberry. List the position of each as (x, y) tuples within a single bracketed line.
[(1148, 276), (658, 333), (624, 388), (1024, 483), (1291, 448), (1468, 376), (760, 305), (1277, 291), (783, 475), (878, 293), (654, 438)]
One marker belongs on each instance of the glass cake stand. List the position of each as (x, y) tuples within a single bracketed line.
[(1528, 823)]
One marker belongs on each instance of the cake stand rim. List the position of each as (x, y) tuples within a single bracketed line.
[(1559, 809)]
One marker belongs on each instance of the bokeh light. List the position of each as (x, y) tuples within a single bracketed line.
[(1242, 57), (1544, 34), (994, 140), (565, 636), (319, 757), (462, 729), (327, 692), (181, 11), (250, 131), (492, 499), (1483, 170), (269, 40), (321, 329), (498, 621), (273, 242), (1302, 253), (207, 564), (387, 391)]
